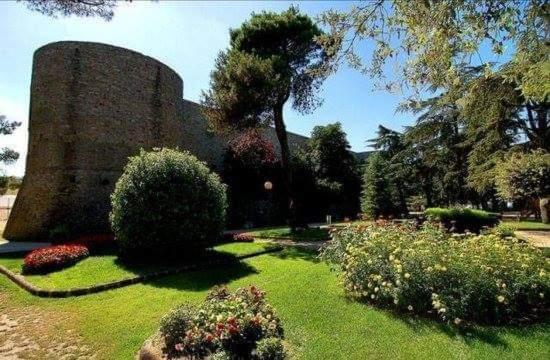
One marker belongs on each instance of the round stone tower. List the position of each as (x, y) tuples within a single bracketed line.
[(92, 106)]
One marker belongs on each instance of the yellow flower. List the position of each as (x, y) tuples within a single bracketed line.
[(407, 275)]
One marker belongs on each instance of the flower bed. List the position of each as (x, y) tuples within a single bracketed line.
[(226, 326), (53, 258), (478, 278)]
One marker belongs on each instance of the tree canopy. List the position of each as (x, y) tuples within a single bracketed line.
[(83, 8), (271, 59), (431, 41)]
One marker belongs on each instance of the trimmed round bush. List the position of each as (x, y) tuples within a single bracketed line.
[(167, 202)]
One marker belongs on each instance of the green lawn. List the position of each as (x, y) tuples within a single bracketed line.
[(312, 234), (527, 225), (320, 323)]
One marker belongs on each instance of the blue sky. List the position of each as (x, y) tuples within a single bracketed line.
[(186, 36)]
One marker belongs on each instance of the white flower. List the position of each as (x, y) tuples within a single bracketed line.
[(541, 295), (410, 308), (500, 298), (407, 275), (457, 321)]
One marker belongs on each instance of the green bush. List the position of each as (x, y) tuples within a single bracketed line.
[(226, 325), (270, 349), (174, 324), (167, 202), (465, 219), (479, 278)]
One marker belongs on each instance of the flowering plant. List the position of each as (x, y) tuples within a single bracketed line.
[(480, 278), (53, 258), (226, 322), (243, 238)]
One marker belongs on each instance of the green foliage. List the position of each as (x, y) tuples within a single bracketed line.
[(54, 8), (7, 155), (167, 202), (271, 60), (480, 278), (430, 41), (234, 323), (270, 349), (174, 325), (335, 170), (465, 219), (523, 176), (377, 196)]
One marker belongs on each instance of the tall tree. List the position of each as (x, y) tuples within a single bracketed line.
[(335, 167), (377, 196), (272, 59), (390, 144), (7, 155), (83, 8)]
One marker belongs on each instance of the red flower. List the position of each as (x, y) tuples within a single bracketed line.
[(53, 258)]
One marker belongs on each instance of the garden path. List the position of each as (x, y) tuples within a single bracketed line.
[(29, 332), (537, 238)]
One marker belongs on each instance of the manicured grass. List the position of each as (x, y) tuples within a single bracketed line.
[(312, 234), (527, 225), (320, 323), (102, 269)]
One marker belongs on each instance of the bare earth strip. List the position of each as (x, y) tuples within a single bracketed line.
[(33, 333), (537, 238)]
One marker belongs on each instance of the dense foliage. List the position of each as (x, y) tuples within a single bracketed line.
[(378, 195), (249, 162), (53, 258), (462, 219), (335, 170), (167, 202), (479, 278), (524, 176), (239, 325), (269, 62)]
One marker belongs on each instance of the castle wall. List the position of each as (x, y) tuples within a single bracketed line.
[(92, 106)]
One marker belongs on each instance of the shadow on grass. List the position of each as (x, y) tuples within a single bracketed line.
[(470, 334), (209, 269), (295, 253)]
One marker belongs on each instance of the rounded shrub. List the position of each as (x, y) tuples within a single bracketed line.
[(167, 202)]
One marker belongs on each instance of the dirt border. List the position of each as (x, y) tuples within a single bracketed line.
[(37, 291)]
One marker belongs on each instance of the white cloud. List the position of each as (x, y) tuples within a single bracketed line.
[(15, 111)]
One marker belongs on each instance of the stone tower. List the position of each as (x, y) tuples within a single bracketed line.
[(92, 106)]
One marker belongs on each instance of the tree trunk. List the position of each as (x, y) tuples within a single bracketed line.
[(545, 210), (280, 130)]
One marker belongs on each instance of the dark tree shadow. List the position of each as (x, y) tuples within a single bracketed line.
[(470, 333), (298, 253), (200, 272)]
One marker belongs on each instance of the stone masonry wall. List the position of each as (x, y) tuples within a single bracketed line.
[(92, 106)]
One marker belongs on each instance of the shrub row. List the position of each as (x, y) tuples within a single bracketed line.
[(480, 278), (462, 219), (53, 258), (239, 325)]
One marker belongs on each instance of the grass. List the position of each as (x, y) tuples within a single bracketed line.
[(527, 225), (320, 323), (311, 234), (102, 269)]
